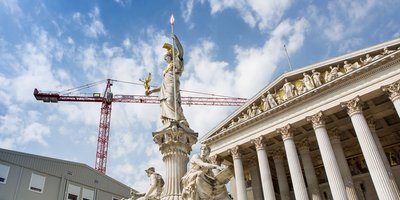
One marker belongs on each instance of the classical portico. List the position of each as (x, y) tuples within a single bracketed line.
[(333, 134)]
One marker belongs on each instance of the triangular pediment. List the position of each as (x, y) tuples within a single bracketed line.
[(299, 85)]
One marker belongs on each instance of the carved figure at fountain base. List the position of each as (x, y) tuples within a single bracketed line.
[(200, 182)]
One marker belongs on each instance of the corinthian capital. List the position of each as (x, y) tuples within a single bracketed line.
[(258, 142), (371, 122), (334, 135), (393, 90), (353, 106), (285, 132), (317, 120), (304, 145), (277, 154), (215, 159), (235, 152)]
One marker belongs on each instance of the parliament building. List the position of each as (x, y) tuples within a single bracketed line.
[(330, 130)]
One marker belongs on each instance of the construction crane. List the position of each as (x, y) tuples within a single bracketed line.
[(107, 98)]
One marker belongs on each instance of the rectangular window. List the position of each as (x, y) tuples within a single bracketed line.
[(73, 192), (37, 183), (72, 197), (87, 194), (4, 170)]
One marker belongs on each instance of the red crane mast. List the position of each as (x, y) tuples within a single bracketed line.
[(105, 115)]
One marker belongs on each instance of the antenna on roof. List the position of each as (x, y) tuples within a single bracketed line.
[(288, 58)]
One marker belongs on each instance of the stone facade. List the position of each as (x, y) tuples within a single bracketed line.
[(317, 120)]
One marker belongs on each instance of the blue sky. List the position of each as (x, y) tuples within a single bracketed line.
[(232, 47)]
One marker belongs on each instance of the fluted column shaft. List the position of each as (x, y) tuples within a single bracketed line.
[(371, 125), (299, 186), (311, 177), (255, 181), (343, 165), (376, 167), (239, 174), (281, 175), (174, 162), (265, 172), (328, 157)]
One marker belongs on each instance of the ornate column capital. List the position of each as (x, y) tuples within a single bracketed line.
[(371, 122), (277, 154), (334, 135), (258, 142), (304, 145), (353, 106), (252, 162), (215, 159), (285, 132), (393, 90), (317, 120), (235, 151)]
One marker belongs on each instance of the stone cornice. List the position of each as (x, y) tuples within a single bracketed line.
[(354, 74)]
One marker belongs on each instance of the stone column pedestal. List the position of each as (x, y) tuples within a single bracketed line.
[(175, 144)]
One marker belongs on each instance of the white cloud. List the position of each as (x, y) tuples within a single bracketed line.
[(187, 9), (123, 3), (254, 69), (256, 65), (262, 13), (35, 132), (12, 6), (343, 22), (96, 27), (92, 25)]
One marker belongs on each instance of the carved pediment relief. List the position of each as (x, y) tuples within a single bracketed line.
[(299, 85)]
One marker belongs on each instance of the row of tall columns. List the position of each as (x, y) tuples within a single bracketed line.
[(335, 164), (376, 167)]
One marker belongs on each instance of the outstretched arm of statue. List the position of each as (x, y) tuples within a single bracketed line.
[(178, 46), (152, 91), (196, 159)]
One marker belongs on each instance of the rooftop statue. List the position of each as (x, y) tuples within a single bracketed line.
[(316, 78), (308, 82), (170, 97)]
